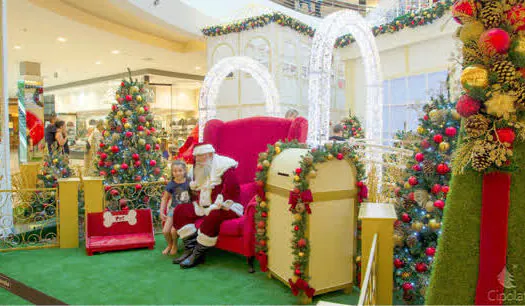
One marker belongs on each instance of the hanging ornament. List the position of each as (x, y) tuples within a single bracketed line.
[(474, 77), (421, 130), (438, 138), (444, 146), (429, 206), (434, 224), (450, 131), (398, 240), (467, 106), (405, 217), (421, 267), (398, 263), (464, 11), (455, 115), (516, 17), (420, 157), (494, 41), (417, 226), (439, 204), (430, 251), (442, 168)]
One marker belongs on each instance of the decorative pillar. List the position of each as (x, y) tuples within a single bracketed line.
[(68, 212), (379, 219), (93, 194), (6, 205)]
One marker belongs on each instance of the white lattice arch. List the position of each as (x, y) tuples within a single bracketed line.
[(333, 26), (217, 74)]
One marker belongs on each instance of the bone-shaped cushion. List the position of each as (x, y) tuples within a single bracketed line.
[(109, 218)]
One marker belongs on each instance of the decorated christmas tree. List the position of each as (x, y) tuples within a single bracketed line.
[(421, 199), (352, 127)]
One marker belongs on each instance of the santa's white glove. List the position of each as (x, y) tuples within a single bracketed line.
[(227, 204)]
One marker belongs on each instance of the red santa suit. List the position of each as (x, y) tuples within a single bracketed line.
[(216, 201)]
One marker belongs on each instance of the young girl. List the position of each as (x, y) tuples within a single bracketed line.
[(178, 191)]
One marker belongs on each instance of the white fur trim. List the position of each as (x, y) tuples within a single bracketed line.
[(199, 210), (220, 164), (203, 149), (237, 208), (187, 230), (206, 240)]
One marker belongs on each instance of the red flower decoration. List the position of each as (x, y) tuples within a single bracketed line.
[(467, 106)]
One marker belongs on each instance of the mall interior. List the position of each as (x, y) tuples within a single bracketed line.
[(376, 149)]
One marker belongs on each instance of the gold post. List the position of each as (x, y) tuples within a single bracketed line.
[(68, 212), (93, 194), (379, 218), (29, 173)]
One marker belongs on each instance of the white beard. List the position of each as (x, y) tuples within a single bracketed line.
[(202, 172)]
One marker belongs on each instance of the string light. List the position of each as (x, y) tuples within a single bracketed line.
[(213, 80)]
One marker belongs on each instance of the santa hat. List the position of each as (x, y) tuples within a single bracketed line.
[(203, 148)]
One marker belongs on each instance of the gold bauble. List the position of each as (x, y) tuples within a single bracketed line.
[(147, 124), (120, 114), (106, 133), (159, 140), (444, 146), (474, 77), (417, 226), (312, 174), (128, 113), (261, 231), (301, 254), (434, 225), (116, 167), (300, 208), (140, 110), (138, 98), (277, 150), (297, 217), (358, 259), (297, 178), (133, 89), (117, 96), (295, 278), (407, 185), (263, 155), (433, 114), (127, 125), (329, 145), (398, 240), (55, 161), (266, 163), (263, 204), (421, 130), (429, 206), (405, 275), (330, 157), (455, 114)]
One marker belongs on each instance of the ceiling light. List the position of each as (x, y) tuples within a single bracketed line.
[(98, 62), (197, 68), (61, 39), (115, 51), (17, 47)]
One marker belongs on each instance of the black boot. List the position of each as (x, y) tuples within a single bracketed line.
[(197, 257), (189, 245)]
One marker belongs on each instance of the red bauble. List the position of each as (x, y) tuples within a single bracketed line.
[(438, 138), (140, 128), (157, 147), (262, 242), (425, 118), (407, 286), (115, 149), (494, 41), (137, 164), (129, 98), (148, 147), (442, 169), (421, 267), (146, 108), (345, 127), (436, 188), (129, 134), (261, 224), (138, 178), (467, 106), (297, 272), (153, 163), (153, 130), (445, 189), (416, 167), (114, 192), (108, 164), (360, 184), (135, 156), (138, 187), (142, 119), (296, 190), (114, 107), (411, 196), (439, 204), (506, 135), (148, 132), (100, 163), (430, 251), (156, 171), (259, 167), (264, 214), (425, 144), (122, 84), (101, 145), (420, 157), (103, 173), (260, 183), (463, 11), (107, 188), (451, 131), (124, 120), (301, 243), (296, 228), (397, 190), (113, 171), (412, 181), (120, 100), (123, 202), (405, 217), (398, 263), (339, 156), (298, 171), (124, 166), (516, 17), (103, 156)]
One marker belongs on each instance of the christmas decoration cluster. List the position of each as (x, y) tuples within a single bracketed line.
[(352, 127), (421, 199), (408, 20), (493, 82)]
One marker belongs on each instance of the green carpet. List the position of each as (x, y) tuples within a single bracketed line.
[(145, 277), (455, 271)]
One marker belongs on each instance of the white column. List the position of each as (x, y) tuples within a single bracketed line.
[(6, 205)]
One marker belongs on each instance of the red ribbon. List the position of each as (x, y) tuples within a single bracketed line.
[(305, 197), (493, 238), (301, 285), (263, 261)]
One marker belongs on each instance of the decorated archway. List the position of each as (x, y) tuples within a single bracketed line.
[(213, 80), (333, 26)]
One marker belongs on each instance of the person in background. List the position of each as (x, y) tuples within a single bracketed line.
[(308, 2), (337, 133), (291, 114), (61, 136), (87, 154), (318, 7), (50, 134), (94, 140)]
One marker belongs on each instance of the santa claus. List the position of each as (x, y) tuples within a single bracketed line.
[(216, 193)]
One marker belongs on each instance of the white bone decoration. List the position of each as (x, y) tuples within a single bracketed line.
[(109, 219)]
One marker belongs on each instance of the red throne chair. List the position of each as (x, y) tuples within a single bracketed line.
[(243, 140), (119, 230)]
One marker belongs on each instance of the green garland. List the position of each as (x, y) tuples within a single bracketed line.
[(302, 176), (408, 20)]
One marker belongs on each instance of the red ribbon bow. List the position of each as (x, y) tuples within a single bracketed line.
[(363, 193), (301, 285), (305, 197)]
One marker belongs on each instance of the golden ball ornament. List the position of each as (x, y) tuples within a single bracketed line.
[(55, 161), (433, 114), (263, 204), (116, 167), (266, 163), (427, 216), (421, 130), (398, 240), (429, 206), (300, 208), (407, 185), (263, 155), (159, 140), (147, 124), (434, 224), (312, 174), (295, 278), (142, 141), (358, 259), (133, 89), (474, 77), (417, 226), (301, 254), (138, 98), (117, 96), (106, 134), (444, 146), (297, 217), (128, 113), (277, 150), (405, 275), (330, 157), (120, 114), (127, 125), (297, 178), (455, 115)]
